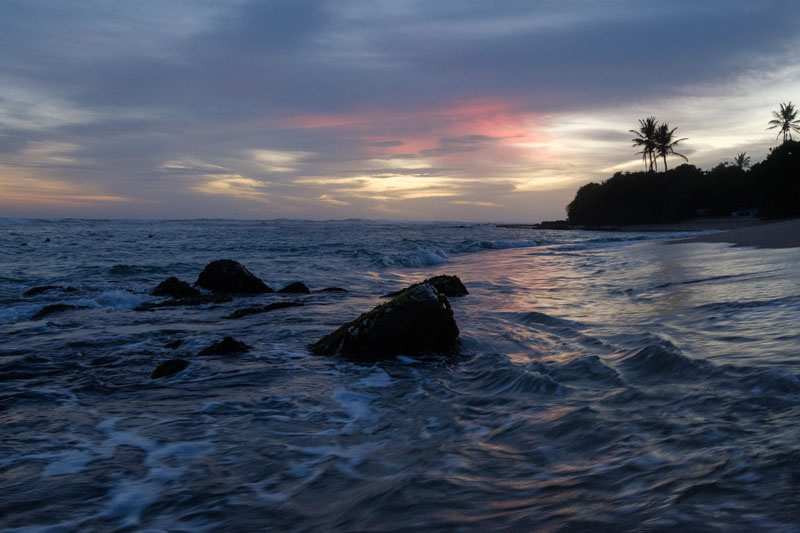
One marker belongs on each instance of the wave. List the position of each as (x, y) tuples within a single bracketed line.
[(497, 378), (664, 359), (113, 299), (479, 246), (772, 381), (418, 258)]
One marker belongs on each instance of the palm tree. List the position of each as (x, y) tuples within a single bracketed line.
[(665, 145), (742, 160), (645, 138), (786, 120)]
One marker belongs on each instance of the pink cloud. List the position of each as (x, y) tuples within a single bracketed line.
[(422, 129)]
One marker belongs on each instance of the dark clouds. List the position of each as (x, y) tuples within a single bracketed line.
[(130, 86)]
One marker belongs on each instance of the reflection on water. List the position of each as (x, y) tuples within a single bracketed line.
[(602, 385)]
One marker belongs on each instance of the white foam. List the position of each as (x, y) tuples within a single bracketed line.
[(114, 299), (379, 378), (18, 313), (420, 258), (68, 462)]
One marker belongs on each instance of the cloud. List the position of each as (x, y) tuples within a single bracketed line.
[(320, 107), (386, 144)]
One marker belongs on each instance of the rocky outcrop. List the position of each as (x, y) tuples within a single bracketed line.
[(298, 287), (418, 321), (33, 291), (239, 313), (175, 288), (226, 275), (450, 286), (167, 368), (55, 308), (226, 346)]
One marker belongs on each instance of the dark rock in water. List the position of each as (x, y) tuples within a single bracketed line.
[(175, 288), (417, 321), (201, 299), (332, 289), (225, 275), (47, 239), (226, 346), (55, 308), (33, 291), (239, 313), (554, 224), (450, 286), (298, 287), (167, 368), (174, 344)]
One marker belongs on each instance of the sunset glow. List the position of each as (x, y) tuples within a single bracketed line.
[(329, 110)]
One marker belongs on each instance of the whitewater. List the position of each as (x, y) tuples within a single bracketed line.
[(603, 381)]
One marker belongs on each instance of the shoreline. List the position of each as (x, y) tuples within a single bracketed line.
[(782, 234)]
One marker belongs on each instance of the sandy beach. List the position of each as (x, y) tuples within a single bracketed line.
[(784, 234)]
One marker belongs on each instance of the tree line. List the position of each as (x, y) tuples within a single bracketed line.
[(770, 188)]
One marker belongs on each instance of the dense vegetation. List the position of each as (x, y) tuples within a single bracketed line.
[(771, 186)]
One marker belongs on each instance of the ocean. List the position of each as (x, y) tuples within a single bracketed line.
[(603, 382)]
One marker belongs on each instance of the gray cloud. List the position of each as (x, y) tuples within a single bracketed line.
[(131, 86)]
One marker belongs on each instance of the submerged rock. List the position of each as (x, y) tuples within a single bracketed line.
[(55, 308), (332, 289), (450, 286), (200, 299), (226, 346), (167, 368), (418, 321), (174, 344), (175, 288), (298, 287), (239, 313), (226, 275), (33, 291)]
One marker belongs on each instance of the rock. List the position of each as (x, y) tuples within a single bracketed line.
[(175, 288), (298, 287), (33, 291), (239, 313), (174, 344), (418, 321), (554, 224), (55, 308), (167, 368), (332, 289), (200, 299), (225, 275), (226, 346), (450, 286)]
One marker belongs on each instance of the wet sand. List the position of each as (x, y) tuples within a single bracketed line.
[(784, 234)]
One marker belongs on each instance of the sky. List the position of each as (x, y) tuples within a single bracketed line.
[(405, 109)]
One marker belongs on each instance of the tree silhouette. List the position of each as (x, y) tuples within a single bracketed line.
[(665, 144), (742, 160), (785, 119), (646, 139)]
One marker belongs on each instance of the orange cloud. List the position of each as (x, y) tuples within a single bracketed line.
[(19, 188)]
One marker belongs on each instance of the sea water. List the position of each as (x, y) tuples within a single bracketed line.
[(603, 381)]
